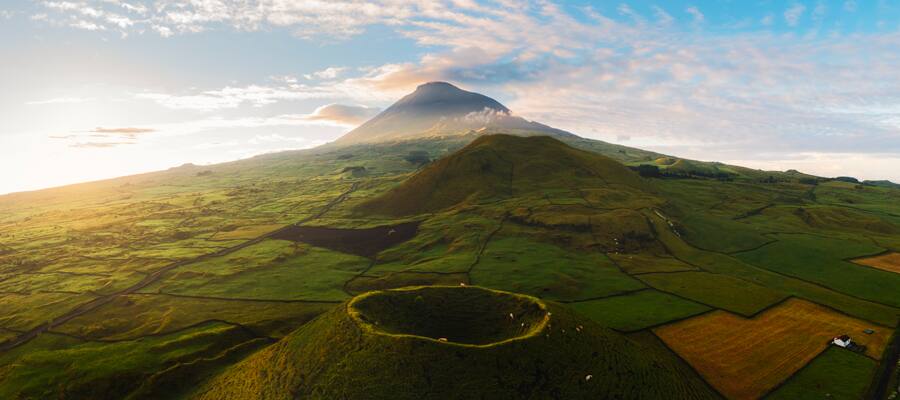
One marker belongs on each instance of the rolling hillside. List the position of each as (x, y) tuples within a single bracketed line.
[(250, 278)]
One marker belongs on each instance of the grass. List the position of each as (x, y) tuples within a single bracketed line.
[(720, 291), (638, 310), (551, 221), (835, 374), (403, 279), (540, 269), (446, 243), (499, 166), (244, 232), (134, 316), (730, 266), (728, 350), (58, 367), (886, 262), (821, 260), (334, 356), (295, 271), (25, 311), (641, 263), (652, 344)]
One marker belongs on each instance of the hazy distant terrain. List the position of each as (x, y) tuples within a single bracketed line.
[(698, 280)]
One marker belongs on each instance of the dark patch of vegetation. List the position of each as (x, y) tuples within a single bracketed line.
[(848, 179), (363, 242), (647, 171), (417, 157)]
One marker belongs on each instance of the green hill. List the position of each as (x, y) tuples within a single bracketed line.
[(443, 342), (498, 167)]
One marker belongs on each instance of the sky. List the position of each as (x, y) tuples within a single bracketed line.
[(104, 88)]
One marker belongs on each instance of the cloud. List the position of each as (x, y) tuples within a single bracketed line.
[(328, 73), (60, 100), (341, 114), (662, 17), (850, 6), (231, 97), (98, 145), (129, 132), (792, 15), (695, 12), (819, 11), (709, 95)]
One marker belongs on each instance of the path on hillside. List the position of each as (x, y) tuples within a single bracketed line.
[(98, 302)]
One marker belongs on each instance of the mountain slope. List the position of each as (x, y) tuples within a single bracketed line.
[(441, 109), (453, 342), (501, 166)]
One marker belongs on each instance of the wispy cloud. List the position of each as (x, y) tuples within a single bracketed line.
[(129, 132), (662, 17), (257, 95), (98, 145), (696, 14), (327, 73), (60, 100), (792, 15)]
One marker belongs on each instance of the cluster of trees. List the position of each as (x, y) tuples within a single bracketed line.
[(653, 171), (418, 157)]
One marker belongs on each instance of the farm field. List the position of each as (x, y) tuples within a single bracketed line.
[(887, 262), (137, 315), (638, 310), (817, 379), (822, 260), (727, 349), (721, 291), (228, 262)]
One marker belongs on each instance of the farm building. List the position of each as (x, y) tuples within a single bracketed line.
[(842, 341)]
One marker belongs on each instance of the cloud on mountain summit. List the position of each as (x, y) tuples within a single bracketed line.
[(342, 114)]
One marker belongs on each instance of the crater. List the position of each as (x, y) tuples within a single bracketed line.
[(462, 315)]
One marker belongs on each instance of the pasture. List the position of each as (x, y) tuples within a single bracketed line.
[(885, 262), (638, 310), (728, 350)]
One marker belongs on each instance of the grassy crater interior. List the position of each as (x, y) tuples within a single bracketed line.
[(460, 315)]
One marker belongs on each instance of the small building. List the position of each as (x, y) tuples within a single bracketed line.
[(842, 341)]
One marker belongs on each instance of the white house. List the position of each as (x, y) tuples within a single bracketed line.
[(842, 341)]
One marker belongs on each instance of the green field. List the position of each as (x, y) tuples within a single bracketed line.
[(817, 380), (152, 285), (822, 260), (638, 310)]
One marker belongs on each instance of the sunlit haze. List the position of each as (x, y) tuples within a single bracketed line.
[(97, 89)]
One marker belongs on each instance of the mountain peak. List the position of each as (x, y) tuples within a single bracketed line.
[(445, 98), (442, 109)]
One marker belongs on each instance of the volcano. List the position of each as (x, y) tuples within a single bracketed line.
[(439, 342), (438, 109)]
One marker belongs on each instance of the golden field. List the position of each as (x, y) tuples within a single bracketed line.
[(885, 262), (744, 358)]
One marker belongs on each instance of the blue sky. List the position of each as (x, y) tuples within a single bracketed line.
[(95, 89)]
